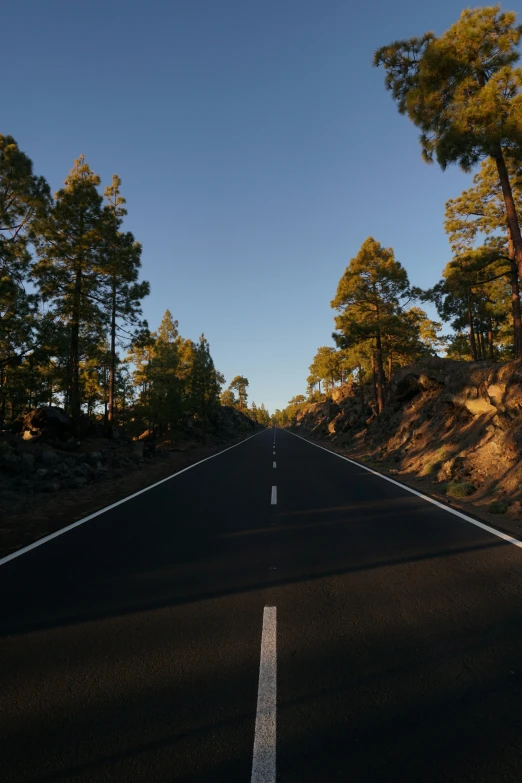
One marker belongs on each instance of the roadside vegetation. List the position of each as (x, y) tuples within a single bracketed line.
[(463, 91)]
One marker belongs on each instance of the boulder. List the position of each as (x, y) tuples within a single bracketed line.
[(7, 494), (50, 458), (479, 406), (27, 463), (9, 461), (21, 482), (76, 482), (50, 486), (49, 420), (86, 469), (138, 449), (340, 393)]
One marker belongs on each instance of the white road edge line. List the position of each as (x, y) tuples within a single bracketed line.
[(264, 759), (66, 529), (274, 496), (434, 502)]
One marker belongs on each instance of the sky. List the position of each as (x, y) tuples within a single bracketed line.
[(257, 147)]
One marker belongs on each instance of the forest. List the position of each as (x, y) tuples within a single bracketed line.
[(72, 332), (463, 92)]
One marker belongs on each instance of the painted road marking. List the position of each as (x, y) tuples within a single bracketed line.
[(264, 760), (434, 502), (273, 464), (62, 530), (274, 496)]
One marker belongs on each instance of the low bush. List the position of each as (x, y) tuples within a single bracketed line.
[(459, 489), (498, 507)]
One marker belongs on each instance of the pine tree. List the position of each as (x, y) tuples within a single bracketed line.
[(121, 266), (239, 384), (410, 336), (228, 398), (263, 416), (472, 296), (166, 392), (464, 93), (480, 211), (369, 295), (69, 243), (326, 367), (24, 198), (204, 385)]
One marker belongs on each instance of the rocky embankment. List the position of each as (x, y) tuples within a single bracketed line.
[(455, 424), (38, 454), (49, 478)]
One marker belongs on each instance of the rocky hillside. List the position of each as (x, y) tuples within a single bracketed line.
[(458, 424), (39, 454)]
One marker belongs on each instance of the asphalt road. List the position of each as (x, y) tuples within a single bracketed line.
[(130, 647)]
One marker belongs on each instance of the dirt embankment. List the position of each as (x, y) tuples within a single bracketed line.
[(451, 429)]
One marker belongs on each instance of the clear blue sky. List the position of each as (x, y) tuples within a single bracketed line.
[(257, 148)]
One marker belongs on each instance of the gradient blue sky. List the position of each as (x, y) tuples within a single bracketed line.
[(257, 149)]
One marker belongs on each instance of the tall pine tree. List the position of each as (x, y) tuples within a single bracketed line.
[(463, 91), (69, 244), (121, 266)]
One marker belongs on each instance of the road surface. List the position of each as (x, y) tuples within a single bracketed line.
[(273, 611)]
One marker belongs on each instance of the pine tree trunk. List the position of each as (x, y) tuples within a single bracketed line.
[(361, 389), (490, 339), (374, 378), (74, 366), (390, 368), (472, 343), (380, 372), (511, 212), (3, 377), (482, 344), (515, 298), (478, 338), (112, 375)]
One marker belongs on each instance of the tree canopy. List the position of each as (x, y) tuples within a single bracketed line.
[(464, 93)]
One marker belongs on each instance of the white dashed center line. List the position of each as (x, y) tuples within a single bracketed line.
[(274, 496), (264, 760), (273, 464)]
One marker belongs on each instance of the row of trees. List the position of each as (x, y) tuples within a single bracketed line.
[(236, 396), (69, 285), (464, 93), (71, 326)]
